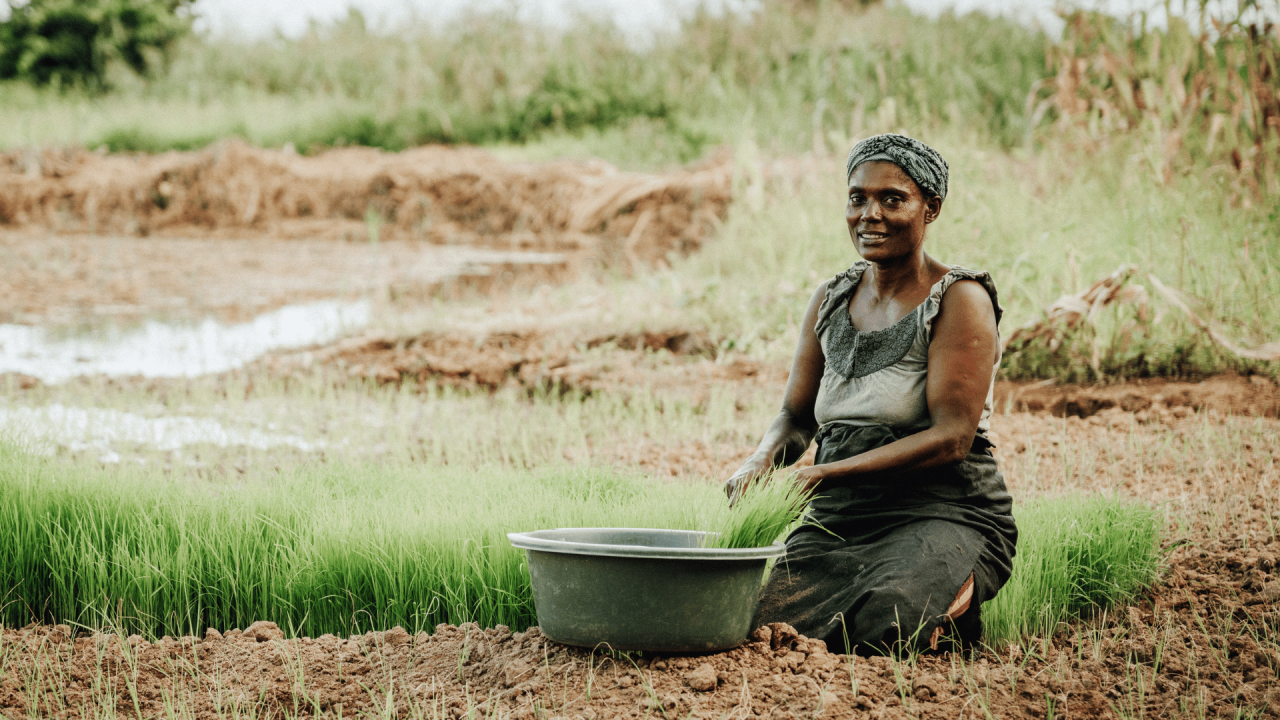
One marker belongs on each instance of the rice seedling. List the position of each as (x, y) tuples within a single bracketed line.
[(321, 550), (1075, 556), (342, 549), (763, 512)]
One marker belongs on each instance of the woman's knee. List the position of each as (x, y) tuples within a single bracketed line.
[(896, 619), (886, 618)]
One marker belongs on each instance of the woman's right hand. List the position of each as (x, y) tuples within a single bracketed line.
[(794, 427), (752, 470)]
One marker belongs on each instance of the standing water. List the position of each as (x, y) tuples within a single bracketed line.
[(158, 349)]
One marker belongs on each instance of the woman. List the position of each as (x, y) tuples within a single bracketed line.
[(910, 530)]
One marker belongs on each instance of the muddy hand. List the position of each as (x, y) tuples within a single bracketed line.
[(750, 471), (808, 478)]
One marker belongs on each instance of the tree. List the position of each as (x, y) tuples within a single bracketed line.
[(73, 42)]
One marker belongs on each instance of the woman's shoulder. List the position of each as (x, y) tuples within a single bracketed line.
[(843, 283), (972, 287), (956, 273)]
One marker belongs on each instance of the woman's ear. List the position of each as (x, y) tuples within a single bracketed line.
[(932, 208)]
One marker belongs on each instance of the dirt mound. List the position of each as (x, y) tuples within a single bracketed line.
[(1226, 395), (533, 359), (447, 195)]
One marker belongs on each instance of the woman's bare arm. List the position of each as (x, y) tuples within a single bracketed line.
[(793, 428), (962, 354)]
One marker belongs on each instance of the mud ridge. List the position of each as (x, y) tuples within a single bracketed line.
[(440, 194), (538, 360), (531, 359), (1253, 395)]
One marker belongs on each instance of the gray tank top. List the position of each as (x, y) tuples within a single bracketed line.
[(878, 377)]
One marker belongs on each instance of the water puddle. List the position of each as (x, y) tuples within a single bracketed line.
[(101, 431), (159, 349)]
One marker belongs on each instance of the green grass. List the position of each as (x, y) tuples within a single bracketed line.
[(763, 513), (322, 549), (1076, 555), (346, 549), (488, 78), (1044, 225)]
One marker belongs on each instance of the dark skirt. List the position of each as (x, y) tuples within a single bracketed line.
[(876, 564)]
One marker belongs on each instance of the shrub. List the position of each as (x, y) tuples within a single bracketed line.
[(73, 42)]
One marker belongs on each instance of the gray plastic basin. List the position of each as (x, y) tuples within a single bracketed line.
[(641, 589)]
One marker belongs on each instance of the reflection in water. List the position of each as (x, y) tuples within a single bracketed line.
[(42, 429), (164, 350)]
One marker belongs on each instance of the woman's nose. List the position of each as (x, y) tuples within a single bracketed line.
[(871, 211)]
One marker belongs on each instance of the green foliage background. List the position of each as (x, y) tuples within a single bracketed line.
[(73, 43)]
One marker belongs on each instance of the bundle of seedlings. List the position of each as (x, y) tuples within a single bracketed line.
[(764, 511)]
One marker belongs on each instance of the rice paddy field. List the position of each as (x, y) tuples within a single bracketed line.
[(293, 333)]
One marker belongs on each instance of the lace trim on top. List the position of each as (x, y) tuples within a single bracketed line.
[(854, 354), (857, 354)]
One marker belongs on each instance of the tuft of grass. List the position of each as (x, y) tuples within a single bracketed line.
[(1076, 555), (763, 513)]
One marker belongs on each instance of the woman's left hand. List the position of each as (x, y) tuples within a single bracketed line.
[(808, 478)]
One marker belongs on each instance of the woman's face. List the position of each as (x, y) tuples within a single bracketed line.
[(887, 212)]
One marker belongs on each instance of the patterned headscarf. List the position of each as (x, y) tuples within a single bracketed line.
[(919, 161)]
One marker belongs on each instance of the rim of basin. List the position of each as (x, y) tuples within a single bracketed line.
[(558, 541)]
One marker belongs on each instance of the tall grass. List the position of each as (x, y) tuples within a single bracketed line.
[(1208, 95), (1044, 225), (1075, 556), (1206, 88), (348, 549), (789, 68)]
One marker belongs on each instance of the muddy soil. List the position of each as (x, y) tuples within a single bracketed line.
[(1255, 396), (585, 359), (78, 278), (683, 360), (1198, 646)]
